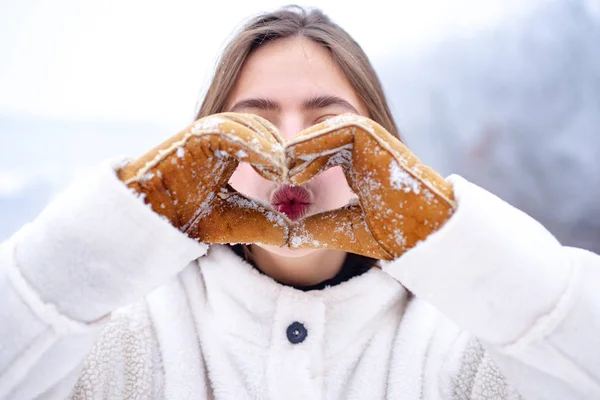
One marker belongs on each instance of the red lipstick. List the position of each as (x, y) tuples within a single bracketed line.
[(293, 201)]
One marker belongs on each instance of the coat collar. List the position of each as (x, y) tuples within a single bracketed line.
[(237, 295)]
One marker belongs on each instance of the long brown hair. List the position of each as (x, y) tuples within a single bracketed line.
[(313, 24), (292, 21)]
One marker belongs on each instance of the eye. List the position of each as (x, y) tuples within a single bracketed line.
[(324, 118)]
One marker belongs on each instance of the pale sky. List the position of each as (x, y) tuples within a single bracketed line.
[(144, 60)]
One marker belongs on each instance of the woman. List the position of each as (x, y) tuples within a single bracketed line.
[(102, 298)]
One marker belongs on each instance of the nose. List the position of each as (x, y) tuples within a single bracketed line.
[(290, 124)]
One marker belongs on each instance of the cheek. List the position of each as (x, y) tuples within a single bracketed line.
[(331, 189), (247, 181)]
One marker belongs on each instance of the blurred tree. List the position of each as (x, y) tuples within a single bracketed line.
[(516, 110)]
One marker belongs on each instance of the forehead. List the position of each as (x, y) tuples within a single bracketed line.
[(290, 70)]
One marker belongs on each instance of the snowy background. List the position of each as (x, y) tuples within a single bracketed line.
[(503, 92)]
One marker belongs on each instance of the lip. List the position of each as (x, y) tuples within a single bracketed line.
[(293, 201)]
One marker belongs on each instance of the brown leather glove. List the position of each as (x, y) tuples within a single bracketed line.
[(185, 179), (401, 201)]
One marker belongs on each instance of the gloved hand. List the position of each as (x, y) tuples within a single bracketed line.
[(401, 201), (185, 179)]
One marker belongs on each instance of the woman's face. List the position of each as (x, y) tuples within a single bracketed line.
[(294, 83)]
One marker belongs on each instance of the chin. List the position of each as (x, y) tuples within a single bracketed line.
[(285, 252)]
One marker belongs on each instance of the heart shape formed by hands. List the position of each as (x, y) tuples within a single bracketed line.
[(401, 201)]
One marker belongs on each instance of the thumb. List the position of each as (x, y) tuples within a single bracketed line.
[(233, 218), (341, 229)]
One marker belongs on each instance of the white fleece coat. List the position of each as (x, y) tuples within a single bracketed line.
[(101, 298)]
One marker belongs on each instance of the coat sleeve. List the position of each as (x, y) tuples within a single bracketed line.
[(532, 303), (95, 248)]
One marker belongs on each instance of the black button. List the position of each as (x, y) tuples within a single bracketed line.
[(296, 333)]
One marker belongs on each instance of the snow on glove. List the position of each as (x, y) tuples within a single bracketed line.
[(185, 179), (401, 201)]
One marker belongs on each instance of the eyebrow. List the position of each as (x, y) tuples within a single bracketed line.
[(313, 103), (259, 103), (326, 101)]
